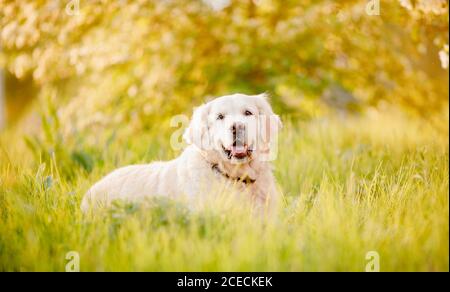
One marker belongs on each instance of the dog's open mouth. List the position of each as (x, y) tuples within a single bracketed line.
[(238, 152)]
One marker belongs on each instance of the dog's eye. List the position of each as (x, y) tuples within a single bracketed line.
[(220, 116), (248, 113)]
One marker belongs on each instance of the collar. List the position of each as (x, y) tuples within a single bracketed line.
[(215, 167), (246, 180)]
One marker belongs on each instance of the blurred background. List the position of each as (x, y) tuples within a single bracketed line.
[(128, 64)]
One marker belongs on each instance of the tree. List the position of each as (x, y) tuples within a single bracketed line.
[(125, 61)]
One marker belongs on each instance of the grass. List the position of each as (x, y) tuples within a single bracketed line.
[(374, 183)]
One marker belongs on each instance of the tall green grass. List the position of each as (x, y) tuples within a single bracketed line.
[(374, 183)]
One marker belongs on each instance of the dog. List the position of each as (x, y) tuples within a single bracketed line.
[(230, 145)]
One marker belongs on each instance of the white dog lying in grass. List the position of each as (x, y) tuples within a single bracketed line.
[(231, 142)]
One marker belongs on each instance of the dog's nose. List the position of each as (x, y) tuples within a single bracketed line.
[(237, 128), (239, 137)]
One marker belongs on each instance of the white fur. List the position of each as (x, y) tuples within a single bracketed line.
[(191, 175)]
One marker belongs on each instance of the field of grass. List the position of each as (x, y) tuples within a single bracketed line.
[(354, 185)]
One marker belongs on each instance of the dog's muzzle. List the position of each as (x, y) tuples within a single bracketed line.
[(240, 148)]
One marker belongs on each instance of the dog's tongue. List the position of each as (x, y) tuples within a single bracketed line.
[(239, 150)]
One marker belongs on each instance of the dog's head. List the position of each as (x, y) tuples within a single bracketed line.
[(234, 128)]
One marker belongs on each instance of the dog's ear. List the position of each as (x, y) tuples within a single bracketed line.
[(264, 108), (269, 123), (197, 132)]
